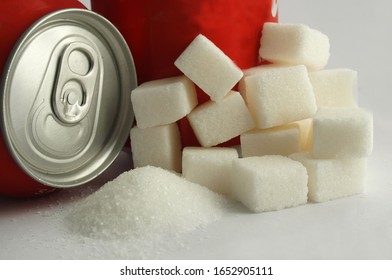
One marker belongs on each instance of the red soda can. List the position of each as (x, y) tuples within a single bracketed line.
[(157, 32), (67, 74)]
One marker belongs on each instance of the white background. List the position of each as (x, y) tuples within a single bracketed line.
[(358, 227)]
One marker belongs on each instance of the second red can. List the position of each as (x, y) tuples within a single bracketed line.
[(157, 32)]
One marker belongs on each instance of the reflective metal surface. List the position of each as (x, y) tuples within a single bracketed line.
[(66, 110)]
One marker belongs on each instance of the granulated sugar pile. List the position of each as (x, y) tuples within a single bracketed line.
[(147, 201)]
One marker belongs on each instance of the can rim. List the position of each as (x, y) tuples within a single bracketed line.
[(127, 85)]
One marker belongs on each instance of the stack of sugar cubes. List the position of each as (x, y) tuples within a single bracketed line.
[(302, 135)]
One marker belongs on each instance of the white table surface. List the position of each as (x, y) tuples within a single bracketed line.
[(358, 227)]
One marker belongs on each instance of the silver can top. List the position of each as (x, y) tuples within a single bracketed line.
[(65, 97)]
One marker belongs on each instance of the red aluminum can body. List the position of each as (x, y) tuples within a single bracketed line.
[(16, 16), (157, 32)]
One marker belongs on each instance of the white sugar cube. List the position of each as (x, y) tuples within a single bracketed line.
[(333, 178), (209, 68), (261, 68), (157, 146), (342, 132), (280, 95), (282, 140), (269, 183), (217, 122), (163, 101), (294, 44), (209, 167), (253, 71), (334, 87)]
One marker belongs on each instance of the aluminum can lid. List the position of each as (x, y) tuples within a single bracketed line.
[(65, 97)]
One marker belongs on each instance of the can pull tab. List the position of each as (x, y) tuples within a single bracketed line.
[(76, 81)]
